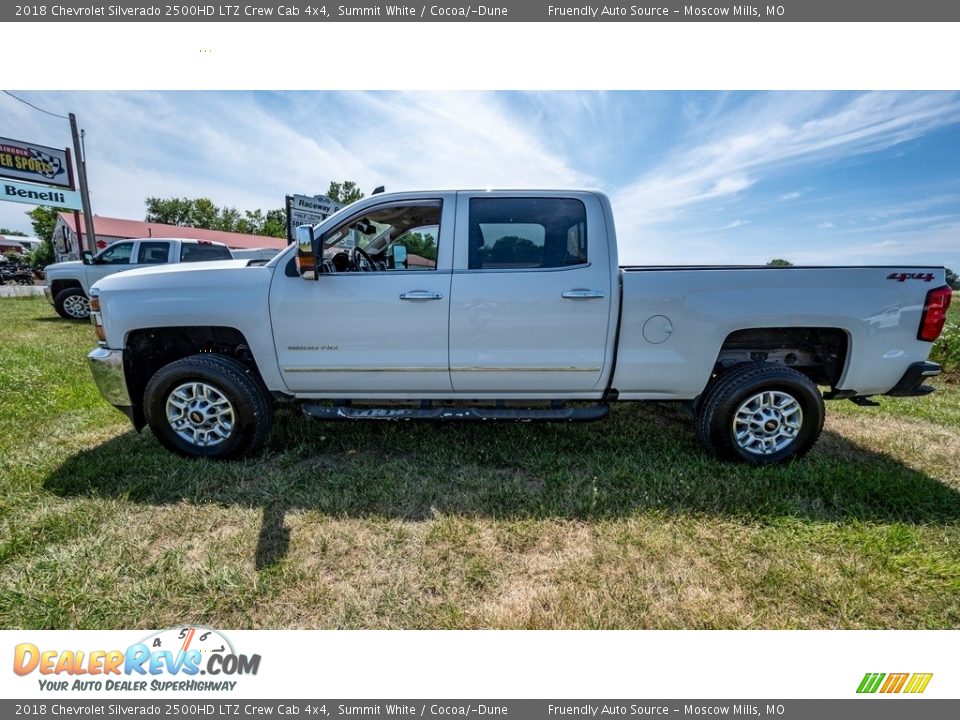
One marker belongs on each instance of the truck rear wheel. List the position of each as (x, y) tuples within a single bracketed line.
[(208, 406), (72, 304), (760, 413)]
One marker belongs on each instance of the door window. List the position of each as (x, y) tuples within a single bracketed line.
[(413, 226), (153, 252), (116, 254), (527, 233)]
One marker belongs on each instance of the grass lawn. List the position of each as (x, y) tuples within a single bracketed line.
[(619, 524)]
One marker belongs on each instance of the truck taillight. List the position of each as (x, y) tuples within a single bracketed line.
[(934, 313)]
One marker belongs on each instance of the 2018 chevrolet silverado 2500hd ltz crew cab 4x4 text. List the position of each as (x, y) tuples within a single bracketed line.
[(68, 283), (503, 305)]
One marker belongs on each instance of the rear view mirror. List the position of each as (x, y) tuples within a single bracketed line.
[(87, 257), (399, 256), (307, 252)]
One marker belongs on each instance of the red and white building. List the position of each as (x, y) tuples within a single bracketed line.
[(66, 241)]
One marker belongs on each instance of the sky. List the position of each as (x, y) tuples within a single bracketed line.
[(694, 177)]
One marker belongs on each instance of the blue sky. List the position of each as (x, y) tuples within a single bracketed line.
[(695, 177)]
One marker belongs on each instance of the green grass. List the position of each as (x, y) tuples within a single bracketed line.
[(619, 524)]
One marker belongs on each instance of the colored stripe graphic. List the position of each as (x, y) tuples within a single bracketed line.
[(894, 683), (870, 682), (918, 683)]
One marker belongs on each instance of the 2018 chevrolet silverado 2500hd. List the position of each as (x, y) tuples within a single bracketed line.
[(68, 283), (502, 305)]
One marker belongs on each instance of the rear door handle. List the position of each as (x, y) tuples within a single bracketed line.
[(421, 295), (581, 294)]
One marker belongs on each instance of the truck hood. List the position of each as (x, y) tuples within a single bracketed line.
[(175, 275), (69, 267)]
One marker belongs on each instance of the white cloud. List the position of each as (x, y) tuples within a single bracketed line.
[(790, 196), (767, 136), (735, 224), (825, 225)]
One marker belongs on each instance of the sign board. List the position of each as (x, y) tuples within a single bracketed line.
[(34, 163), (39, 195), (307, 210)]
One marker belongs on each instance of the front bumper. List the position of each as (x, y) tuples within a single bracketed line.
[(107, 368), (48, 293), (911, 384)]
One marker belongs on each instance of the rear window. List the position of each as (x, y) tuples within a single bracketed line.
[(200, 252)]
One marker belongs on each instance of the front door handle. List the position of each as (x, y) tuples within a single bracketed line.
[(582, 294), (421, 295)]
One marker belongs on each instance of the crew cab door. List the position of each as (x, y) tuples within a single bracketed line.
[(116, 257), (531, 298), (383, 331)]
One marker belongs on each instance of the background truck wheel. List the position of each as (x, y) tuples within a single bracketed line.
[(761, 414), (208, 406), (72, 304)]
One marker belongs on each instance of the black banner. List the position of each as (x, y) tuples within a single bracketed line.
[(496, 11)]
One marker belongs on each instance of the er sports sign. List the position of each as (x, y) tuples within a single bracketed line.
[(34, 163)]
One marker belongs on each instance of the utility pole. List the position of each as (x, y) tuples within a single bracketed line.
[(84, 188)]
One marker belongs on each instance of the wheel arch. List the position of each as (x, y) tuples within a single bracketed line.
[(146, 350), (820, 353)]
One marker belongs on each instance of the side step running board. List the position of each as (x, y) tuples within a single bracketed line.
[(458, 414)]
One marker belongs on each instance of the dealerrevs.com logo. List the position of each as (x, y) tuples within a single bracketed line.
[(173, 659), (911, 683)]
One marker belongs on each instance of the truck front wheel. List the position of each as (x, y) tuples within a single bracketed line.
[(209, 406), (72, 304), (760, 413)]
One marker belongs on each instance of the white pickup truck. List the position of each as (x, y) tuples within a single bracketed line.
[(503, 305), (68, 283)]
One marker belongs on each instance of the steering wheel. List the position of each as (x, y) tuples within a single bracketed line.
[(356, 256)]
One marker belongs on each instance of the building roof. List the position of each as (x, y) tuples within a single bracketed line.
[(9, 242), (118, 227)]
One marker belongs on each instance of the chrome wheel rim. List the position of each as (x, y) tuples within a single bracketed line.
[(77, 306), (200, 414), (767, 422)]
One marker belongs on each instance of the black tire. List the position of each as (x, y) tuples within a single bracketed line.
[(251, 409), (718, 407), (66, 301)]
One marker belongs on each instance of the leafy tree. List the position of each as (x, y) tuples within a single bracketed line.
[(42, 255), (12, 233), (952, 279), (422, 244), (170, 211), (203, 213), (779, 262), (275, 224), (344, 193), (512, 250), (44, 221)]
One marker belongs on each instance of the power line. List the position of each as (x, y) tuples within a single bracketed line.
[(25, 102)]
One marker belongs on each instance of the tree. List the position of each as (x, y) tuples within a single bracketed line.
[(779, 262), (422, 244), (203, 213), (344, 193), (952, 279), (12, 233), (44, 222)]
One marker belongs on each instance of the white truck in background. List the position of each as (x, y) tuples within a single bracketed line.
[(68, 283), (516, 309)]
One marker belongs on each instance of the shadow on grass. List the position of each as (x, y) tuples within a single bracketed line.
[(644, 458)]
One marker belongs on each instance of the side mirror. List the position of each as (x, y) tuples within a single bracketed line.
[(399, 256), (307, 252), (87, 257)]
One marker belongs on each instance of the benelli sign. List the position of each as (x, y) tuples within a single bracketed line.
[(34, 163), (39, 195)]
